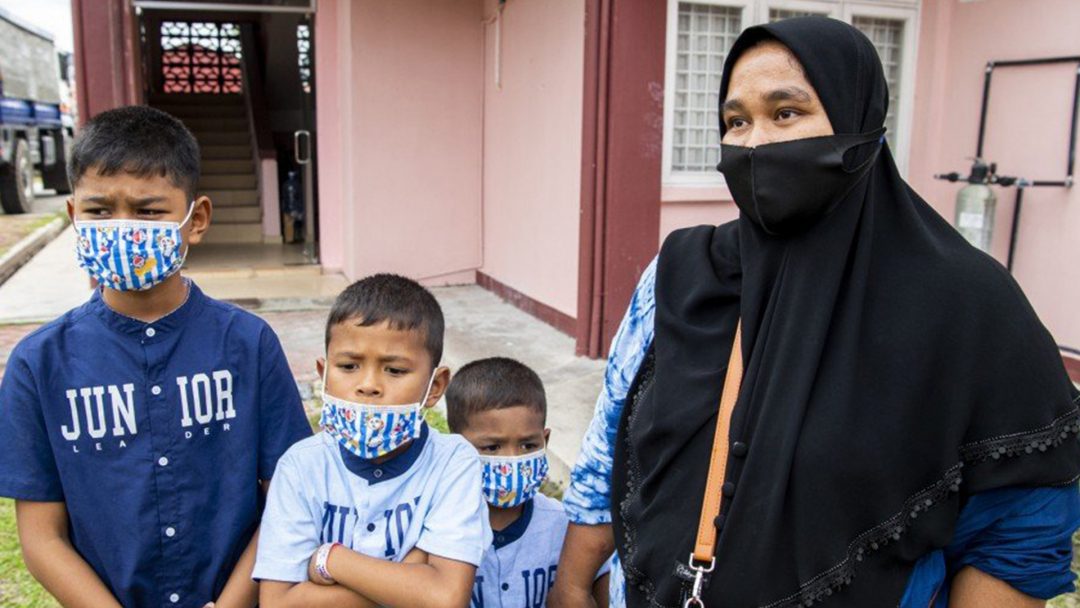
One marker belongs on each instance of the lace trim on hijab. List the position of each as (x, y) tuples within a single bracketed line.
[(634, 577), (819, 588)]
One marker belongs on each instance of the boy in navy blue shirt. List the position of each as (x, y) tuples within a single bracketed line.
[(136, 429), (499, 405), (377, 509)]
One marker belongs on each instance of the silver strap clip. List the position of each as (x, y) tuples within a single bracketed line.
[(699, 576)]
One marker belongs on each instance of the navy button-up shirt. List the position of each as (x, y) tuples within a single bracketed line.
[(155, 435)]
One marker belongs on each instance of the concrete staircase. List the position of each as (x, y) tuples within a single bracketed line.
[(229, 178)]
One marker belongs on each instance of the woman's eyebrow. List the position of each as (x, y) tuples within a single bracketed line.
[(788, 94), (732, 105)]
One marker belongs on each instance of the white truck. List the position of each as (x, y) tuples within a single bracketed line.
[(35, 127)]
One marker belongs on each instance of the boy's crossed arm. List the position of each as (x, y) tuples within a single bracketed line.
[(363, 582)]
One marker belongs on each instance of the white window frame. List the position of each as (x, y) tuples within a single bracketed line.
[(906, 99), (688, 178), (756, 12), (832, 9)]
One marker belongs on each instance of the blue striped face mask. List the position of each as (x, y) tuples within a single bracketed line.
[(513, 480), (370, 431), (130, 255)]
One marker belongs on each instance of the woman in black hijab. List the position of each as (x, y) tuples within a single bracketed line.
[(901, 400)]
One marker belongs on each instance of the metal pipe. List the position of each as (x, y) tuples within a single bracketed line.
[(1015, 226), (982, 112), (1072, 129), (1043, 61), (222, 7), (1058, 184)]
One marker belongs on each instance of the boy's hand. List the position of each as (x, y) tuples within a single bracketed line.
[(313, 573), (209, 605)]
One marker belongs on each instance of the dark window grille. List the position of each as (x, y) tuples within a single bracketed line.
[(201, 57)]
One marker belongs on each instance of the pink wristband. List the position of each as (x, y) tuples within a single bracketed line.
[(321, 558)]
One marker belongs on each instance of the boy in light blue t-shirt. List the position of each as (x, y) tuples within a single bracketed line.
[(377, 509), (499, 405)]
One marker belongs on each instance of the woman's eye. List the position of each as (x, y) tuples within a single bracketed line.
[(490, 448), (736, 123), (786, 114)]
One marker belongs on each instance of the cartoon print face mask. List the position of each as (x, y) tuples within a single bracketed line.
[(513, 480), (370, 431), (130, 255)]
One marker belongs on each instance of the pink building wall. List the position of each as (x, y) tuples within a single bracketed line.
[(532, 148), (1027, 133), (400, 113)]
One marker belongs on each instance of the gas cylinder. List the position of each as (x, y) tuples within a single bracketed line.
[(975, 214)]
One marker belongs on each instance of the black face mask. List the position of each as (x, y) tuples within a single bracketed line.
[(786, 187)]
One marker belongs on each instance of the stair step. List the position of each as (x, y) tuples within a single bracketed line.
[(221, 167), (232, 181), (232, 198), (216, 124), (236, 215), (226, 152), (223, 138), (157, 99), (234, 233), (186, 111)]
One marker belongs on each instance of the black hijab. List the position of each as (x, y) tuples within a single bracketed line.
[(892, 371)]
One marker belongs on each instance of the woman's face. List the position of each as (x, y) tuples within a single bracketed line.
[(770, 100)]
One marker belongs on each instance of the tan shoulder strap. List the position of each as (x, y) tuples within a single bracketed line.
[(705, 545)]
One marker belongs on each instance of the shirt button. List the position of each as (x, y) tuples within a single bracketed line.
[(728, 489), (719, 522), (174, 598), (150, 332), (505, 587), (500, 538), (170, 532), (739, 449), (163, 461), (371, 527), (377, 473), (156, 390)]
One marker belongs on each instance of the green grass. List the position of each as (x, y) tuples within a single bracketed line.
[(23, 228), (17, 588)]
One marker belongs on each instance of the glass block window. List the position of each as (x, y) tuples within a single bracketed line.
[(705, 34), (776, 14), (888, 37), (201, 57), (303, 55)]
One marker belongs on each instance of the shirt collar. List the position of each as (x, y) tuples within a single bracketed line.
[(375, 473), (148, 331), (515, 530)]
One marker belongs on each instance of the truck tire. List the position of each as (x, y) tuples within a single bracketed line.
[(17, 181), (55, 177)]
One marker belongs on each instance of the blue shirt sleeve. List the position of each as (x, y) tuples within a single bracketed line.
[(27, 466), (282, 421), (587, 500), (289, 533), (1022, 536)]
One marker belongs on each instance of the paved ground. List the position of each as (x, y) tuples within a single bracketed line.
[(478, 325)]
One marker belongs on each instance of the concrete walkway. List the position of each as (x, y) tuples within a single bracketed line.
[(479, 324)]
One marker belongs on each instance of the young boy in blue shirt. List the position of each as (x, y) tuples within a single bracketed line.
[(499, 405), (377, 510), (135, 430)]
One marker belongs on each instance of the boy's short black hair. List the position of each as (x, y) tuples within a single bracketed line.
[(492, 384), (139, 140), (403, 302)]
